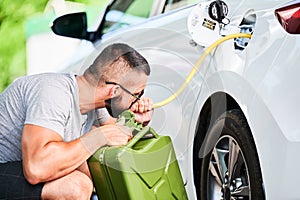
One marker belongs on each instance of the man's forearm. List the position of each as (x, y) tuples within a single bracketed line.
[(47, 157), (92, 140), (57, 158)]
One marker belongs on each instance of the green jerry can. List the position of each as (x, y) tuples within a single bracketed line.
[(146, 168)]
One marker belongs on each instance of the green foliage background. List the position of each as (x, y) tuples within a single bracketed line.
[(13, 15)]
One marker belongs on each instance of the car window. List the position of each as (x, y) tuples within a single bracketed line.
[(174, 4), (123, 13)]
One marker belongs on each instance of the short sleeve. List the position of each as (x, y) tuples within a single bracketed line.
[(102, 116), (48, 105)]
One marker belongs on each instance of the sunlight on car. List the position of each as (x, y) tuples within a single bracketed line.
[(127, 13)]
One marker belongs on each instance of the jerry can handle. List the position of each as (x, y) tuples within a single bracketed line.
[(141, 134)]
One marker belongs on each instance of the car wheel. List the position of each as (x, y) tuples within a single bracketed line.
[(230, 169)]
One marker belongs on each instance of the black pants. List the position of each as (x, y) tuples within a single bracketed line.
[(13, 184)]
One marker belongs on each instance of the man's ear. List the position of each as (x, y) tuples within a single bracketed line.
[(114, 91)]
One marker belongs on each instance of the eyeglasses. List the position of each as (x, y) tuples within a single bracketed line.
[(136, 96)]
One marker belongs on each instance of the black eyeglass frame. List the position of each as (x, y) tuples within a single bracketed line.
[(137, 97)]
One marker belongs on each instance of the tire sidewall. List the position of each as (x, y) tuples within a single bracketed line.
[(233, 124)]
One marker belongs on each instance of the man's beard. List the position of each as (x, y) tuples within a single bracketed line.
[(113, 106)]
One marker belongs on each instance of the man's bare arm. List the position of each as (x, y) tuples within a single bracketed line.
[(47, 157)]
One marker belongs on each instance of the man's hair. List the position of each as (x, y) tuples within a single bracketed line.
[(113, 62)]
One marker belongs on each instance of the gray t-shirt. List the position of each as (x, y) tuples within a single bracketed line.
[(48, 100)]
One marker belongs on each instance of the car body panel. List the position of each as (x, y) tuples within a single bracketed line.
[(262, 79)]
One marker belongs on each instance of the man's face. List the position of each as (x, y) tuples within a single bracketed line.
[(128, 93)]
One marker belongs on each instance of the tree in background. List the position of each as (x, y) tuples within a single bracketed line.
[(13, 15)]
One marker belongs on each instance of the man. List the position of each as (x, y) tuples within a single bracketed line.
[(46, 120)]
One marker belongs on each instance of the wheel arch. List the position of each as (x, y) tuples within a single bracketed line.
[(214, 107)]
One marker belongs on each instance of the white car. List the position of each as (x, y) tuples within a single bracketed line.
[(234, 126), (102, 17)]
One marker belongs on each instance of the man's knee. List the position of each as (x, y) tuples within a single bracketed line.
[(82, 187), (73, 186)]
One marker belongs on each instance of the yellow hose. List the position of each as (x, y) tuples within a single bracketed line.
[(196, 66)]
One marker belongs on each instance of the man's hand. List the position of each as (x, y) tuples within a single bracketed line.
[(111, 135), (43, 149), (116, 135), (143, 110)]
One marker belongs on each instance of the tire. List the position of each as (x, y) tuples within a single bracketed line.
[(230, 167)]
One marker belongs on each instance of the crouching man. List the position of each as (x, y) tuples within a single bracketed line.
[(46, 120)]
